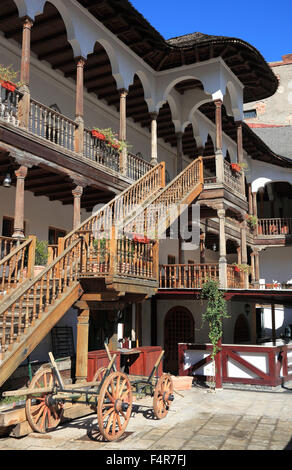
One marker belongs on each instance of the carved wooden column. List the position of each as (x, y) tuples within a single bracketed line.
[(240, 151), (253, 276), (79, 113), (154, 151), (82, 346), (250, 201), (254, 204), (257, 265), (244, 252), (24, 103), (222, 249), (123, 129), (179, 136), (19, 203), (218, 150), (77, 193), (261, 192), (202, 248)]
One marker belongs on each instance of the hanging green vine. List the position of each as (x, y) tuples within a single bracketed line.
[(215, 312)]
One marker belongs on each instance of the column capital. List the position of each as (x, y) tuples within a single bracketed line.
[(153, 116), (80, 61), (78, 191), (221, 213), (218, 103), (21, 172), (27, 22), (123, 92)]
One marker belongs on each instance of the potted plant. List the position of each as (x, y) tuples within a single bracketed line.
[(8, 77), (100, 248), (252, 220), (41, 256), (241, 268), (235, 167)]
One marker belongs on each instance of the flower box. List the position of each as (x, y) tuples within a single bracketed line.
[(8, 85), (236, 269), (140, 238), (97, 134), (235, 167)]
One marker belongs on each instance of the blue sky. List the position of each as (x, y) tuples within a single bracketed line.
[(264, 24)]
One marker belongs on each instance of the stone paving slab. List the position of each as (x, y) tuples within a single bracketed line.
[(198, 421)]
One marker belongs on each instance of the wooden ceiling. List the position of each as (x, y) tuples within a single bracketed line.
[(49, 43), (42, 181)]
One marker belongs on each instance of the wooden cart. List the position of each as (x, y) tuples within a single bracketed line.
[(110, 394)]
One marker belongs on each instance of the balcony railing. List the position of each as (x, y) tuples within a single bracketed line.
[(232, 179), (48, 124), (193, 276), (273, 227), (6, 245)]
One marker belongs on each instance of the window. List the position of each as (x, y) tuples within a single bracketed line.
[(250, 113), (7, 227), (54, 234), (171, 259)]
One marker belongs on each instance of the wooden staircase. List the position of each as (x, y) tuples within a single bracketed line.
[(99, 259)]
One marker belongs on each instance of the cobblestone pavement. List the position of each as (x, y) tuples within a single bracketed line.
[(201, 420)]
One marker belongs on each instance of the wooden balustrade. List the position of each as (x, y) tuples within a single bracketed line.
[(17, 266), (136, 166), (187, 276), (6, 245), (51, 125), (233, 179), (9, 102), (235, 278), (193, 276), (121, 206), (164, 209), (47, 123), (52, 253), (101, 152), (135, 258), (275, 226), (36, 296)]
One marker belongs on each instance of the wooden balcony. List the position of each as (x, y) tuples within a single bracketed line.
[(274, 227), (193, 276), (62, 133)]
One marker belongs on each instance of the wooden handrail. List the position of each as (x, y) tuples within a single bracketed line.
[(28, 303), (274, 226), (122, 205), (6, 245), (15, 268), (159, 209)]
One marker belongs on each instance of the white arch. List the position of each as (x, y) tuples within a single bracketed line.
[(148, 90), (235, 101)]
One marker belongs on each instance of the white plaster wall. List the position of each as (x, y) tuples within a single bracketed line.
[(39, 212), (275, 264)]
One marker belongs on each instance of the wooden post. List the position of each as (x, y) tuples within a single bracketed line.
[(82, 346), (244, 252), (250, 200), (154, 151), (79, 113), (77, 193), (222, 249), (123, 129), (19, 203), (257, 266), (31, 256), (24, 104), (253, 274), (218, 118), (254, 204), (273, 325), (179, 136), (239, 142), (218, 367), (202, 248)]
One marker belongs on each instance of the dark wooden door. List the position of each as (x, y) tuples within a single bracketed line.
[(241, 330), (179, 327)]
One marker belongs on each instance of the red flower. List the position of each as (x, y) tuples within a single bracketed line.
[(97, 134), (8, 85)]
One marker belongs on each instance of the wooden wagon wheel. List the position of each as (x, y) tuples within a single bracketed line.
[(42, 413), (114, 406), (99, 374), (163, 396)]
